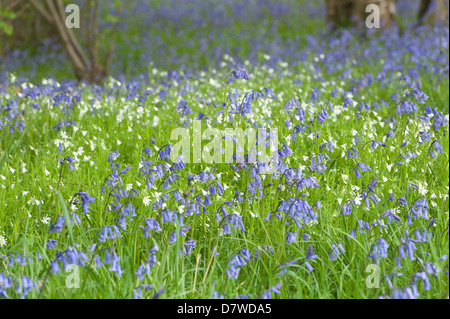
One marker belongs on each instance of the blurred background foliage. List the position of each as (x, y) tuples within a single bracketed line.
[(171, 34)]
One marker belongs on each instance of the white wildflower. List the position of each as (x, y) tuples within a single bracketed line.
[(146, 200)]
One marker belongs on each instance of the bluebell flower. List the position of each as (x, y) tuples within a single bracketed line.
[(310, 255), (364, 167), (336, 251), (51, 243), (419, 95), (184, 230), (85, 199), (322, 117), (347, 207), (220, 189), (6, 282), (237, 74), (98, 262), (237, 262), (285, 151), (165, 152), (188, 247), (327, 145), (372, 185), (109, 232), (183, 108), (423, 275), (352, 152), (410, 248), (217, 295), (406, 107), (55, 267), (168, 216), (246, 255), (308, 266), (173, 237), (432, 269), (383, 245), (435, 148), (291, 238), (425, 136), (144, 97), (432, 222), (69, 160), (363, 225), (276, 288), (27, 286), (348, 102), (268, 294), (151, 225), (112, 157), (115, 266), (232, 272), (391, 216), (375, 143), (57, 227), (390, 134), (374, 198), (76, 257), (291, 103)]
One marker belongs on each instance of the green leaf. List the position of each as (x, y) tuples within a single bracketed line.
[(6, 28), (66, 215), (8, 14)]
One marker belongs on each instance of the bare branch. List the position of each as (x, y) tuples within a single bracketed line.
[(77, 62), (41, 10), (87, 65), (13, 4), (423, 9), (72, 37), (95, 68)]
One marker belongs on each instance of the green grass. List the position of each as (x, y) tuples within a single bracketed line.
[(30, 172)]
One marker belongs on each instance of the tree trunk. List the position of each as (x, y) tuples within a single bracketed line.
[(86, 66), (344, 13), (339, 12), (437, 15), (442, 11)]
